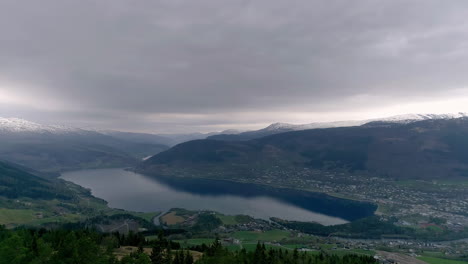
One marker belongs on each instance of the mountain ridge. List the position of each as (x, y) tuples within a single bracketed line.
[(18, 125), (276, 128), (53, 149), (428, 149)]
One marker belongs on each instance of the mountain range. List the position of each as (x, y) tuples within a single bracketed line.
[(433, 148), (164, 139), (277, 128), (54, 149)]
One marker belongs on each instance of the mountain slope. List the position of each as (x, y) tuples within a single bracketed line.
[(15, 183), (430, 149), (284, 127), (54, 148), (17, 125), (28, 199)]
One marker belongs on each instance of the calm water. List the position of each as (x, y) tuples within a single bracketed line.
[(131, 191)]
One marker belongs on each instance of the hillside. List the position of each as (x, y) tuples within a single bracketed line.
[(278, 128), (430, 149), (54, 149), (16, 183), (29, 199)]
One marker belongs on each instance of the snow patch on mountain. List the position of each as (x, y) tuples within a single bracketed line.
[(408, 118), (17, 125), (400, 119), (280, 126)]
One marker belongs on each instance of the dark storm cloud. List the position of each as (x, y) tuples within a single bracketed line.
[(123, 59)]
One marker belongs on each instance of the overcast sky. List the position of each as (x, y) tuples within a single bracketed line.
[(207, 65)]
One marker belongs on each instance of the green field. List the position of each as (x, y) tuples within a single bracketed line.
[(147, 216), (384, 209), (272, 235), (293, 246), (227, 219), (15, 217), (343, 252), (19, 216), (432, 260), (35, 212), (251, 247), (327, 246), (194, 241)]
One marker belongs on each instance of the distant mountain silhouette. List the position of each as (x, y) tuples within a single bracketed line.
[(277, 128), (56, 148), (429, 149)]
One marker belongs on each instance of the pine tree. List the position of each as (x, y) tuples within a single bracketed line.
[(157, 255), (188, 258), (168, 255), (140, 248)]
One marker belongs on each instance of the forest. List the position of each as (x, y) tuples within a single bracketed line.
[(37, 246)]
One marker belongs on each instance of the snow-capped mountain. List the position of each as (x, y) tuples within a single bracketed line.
[(408, 118), (20, 125), (292, 127), (277, 128), (400, 119), (52, 149)]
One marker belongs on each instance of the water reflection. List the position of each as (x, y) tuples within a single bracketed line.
[(132, 191)]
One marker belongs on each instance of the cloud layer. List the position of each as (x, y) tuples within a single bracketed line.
[(156, 65)]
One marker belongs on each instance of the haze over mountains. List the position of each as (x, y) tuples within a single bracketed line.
[(51, 148), (427, 149), (165, 139), (56, 148), (17, 125), (284, 127)]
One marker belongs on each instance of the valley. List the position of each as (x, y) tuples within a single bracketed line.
[(321, 190), (34, 201), (234, 132), (421, 223), (399, 167)]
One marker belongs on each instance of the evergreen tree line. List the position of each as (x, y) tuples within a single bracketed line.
[(217, 254), (24, 246)]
